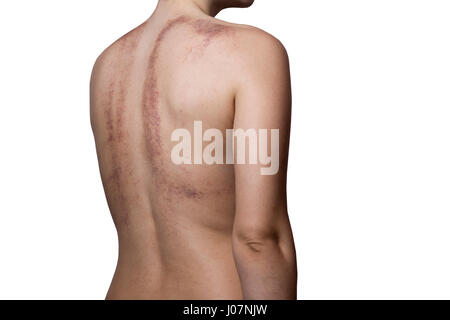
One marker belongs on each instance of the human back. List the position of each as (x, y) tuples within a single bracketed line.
[(154, 80), (176, 222)]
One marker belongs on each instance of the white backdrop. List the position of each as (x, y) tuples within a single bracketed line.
[(369, 178)]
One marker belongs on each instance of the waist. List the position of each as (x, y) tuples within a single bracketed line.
[(193, 269)]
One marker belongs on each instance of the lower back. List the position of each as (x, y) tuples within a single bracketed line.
[(182, 260), (174, 246)]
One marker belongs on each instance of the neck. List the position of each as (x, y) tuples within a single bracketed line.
[(204, 7)]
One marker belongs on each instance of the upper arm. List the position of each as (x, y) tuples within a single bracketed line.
[(263, 101)]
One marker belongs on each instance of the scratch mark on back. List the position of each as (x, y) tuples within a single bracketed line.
[(151, 105), (115, 110)]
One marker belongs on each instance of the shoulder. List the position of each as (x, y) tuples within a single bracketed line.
[(248, 41), (103, 64), (252, 37), (254, 51), (252, 43), (104, 68), (257, 56), (110, 57)]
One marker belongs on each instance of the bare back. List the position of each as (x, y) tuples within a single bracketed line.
[(174, 221)]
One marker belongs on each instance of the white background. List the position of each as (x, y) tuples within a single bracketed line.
[(369, 179)]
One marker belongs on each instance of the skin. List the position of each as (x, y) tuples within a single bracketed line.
[(193, 231)]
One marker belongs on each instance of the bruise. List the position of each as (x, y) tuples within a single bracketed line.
[(115, 113), (151, 94), (208, 29), (109, 114), (151, 107), (186, 191), (151, 116)]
